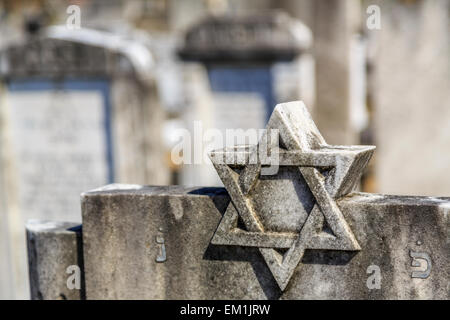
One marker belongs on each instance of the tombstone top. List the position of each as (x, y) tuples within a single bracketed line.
[(265, 37), (43, 226), (294, 206), (58, 52)]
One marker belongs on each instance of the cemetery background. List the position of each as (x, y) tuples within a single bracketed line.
[(387, 87)]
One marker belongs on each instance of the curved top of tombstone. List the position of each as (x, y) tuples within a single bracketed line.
[(272, 36), (59, 52)]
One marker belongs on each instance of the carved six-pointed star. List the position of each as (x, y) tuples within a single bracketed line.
[(294, 209)]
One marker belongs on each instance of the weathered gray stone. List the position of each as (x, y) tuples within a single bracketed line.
[(410, 81), (121, 223), (72, 101), (298, 211), (294, 232), (54, 252), (257, 37), (335, 24)]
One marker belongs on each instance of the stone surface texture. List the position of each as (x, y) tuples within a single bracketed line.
[(303, 198), (121, 223), (252, 37), (287, 226), (52, 248), (290, 218)]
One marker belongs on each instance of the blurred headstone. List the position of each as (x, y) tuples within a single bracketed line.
[(79, 110), (410, 90), (55, 249), (239, 51), (340, 70), (240, 59)]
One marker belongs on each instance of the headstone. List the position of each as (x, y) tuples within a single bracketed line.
[(55, 248), (340, 70), (298, 233), (410, 83), (253, 59), (79, 110)]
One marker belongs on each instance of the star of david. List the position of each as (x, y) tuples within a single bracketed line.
[(281, 220)]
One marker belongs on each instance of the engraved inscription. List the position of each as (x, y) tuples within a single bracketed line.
[(161, 257), (416, 257)]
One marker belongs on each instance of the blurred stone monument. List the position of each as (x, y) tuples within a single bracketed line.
[(340, 75), (238, 67), (410, 94), (296, 232), (78, 110)]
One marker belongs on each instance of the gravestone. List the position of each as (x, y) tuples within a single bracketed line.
[(50, 250), (410, 82), (340, 106), (287, 226), (243, 59), (78, 110)]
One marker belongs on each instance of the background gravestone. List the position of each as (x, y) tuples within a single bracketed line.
[(418, 30), (77, 112), (242, 60)]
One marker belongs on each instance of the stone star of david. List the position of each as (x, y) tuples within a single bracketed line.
[(294, 210)]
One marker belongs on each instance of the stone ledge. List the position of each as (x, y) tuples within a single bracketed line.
[(52, 248), (121, 225)]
